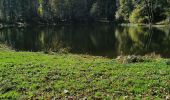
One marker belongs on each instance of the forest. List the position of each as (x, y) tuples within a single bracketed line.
[(84, 49), (54, 11)]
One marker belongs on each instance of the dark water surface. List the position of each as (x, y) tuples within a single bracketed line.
[(93, 39)]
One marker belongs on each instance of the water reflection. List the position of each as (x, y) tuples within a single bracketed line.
[(94, 39), (142, 40)]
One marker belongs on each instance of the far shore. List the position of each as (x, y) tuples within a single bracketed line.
[(145, 25), (24, 24)]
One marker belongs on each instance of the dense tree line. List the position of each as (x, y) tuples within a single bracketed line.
[(143, 11), (49, 11), (56, 10)]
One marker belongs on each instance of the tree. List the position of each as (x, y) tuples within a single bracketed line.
[(50, 11), (124, 10)]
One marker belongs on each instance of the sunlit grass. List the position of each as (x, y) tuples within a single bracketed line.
[(26, 75)]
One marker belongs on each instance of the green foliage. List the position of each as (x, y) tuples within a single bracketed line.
[(137, 16), (136, 11), (55, 10), (50, 11), (124, 10)]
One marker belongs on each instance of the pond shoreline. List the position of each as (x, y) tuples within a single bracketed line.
[(144, 25), (24, 24)]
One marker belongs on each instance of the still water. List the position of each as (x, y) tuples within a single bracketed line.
[(92, 39)]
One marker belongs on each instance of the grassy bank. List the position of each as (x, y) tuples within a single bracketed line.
[(26, 75)]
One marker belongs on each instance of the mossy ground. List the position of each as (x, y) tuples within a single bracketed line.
[(27, 75)]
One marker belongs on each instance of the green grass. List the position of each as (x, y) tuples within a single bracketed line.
[(26, 75)]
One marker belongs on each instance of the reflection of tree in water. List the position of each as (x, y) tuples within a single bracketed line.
[(30, 39), (21, 39), (52, 41), (95, 39), (161, 42), (130, 39), (142, 40), (90, 39)]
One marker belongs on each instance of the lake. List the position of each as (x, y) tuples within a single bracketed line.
[(93, 39)]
